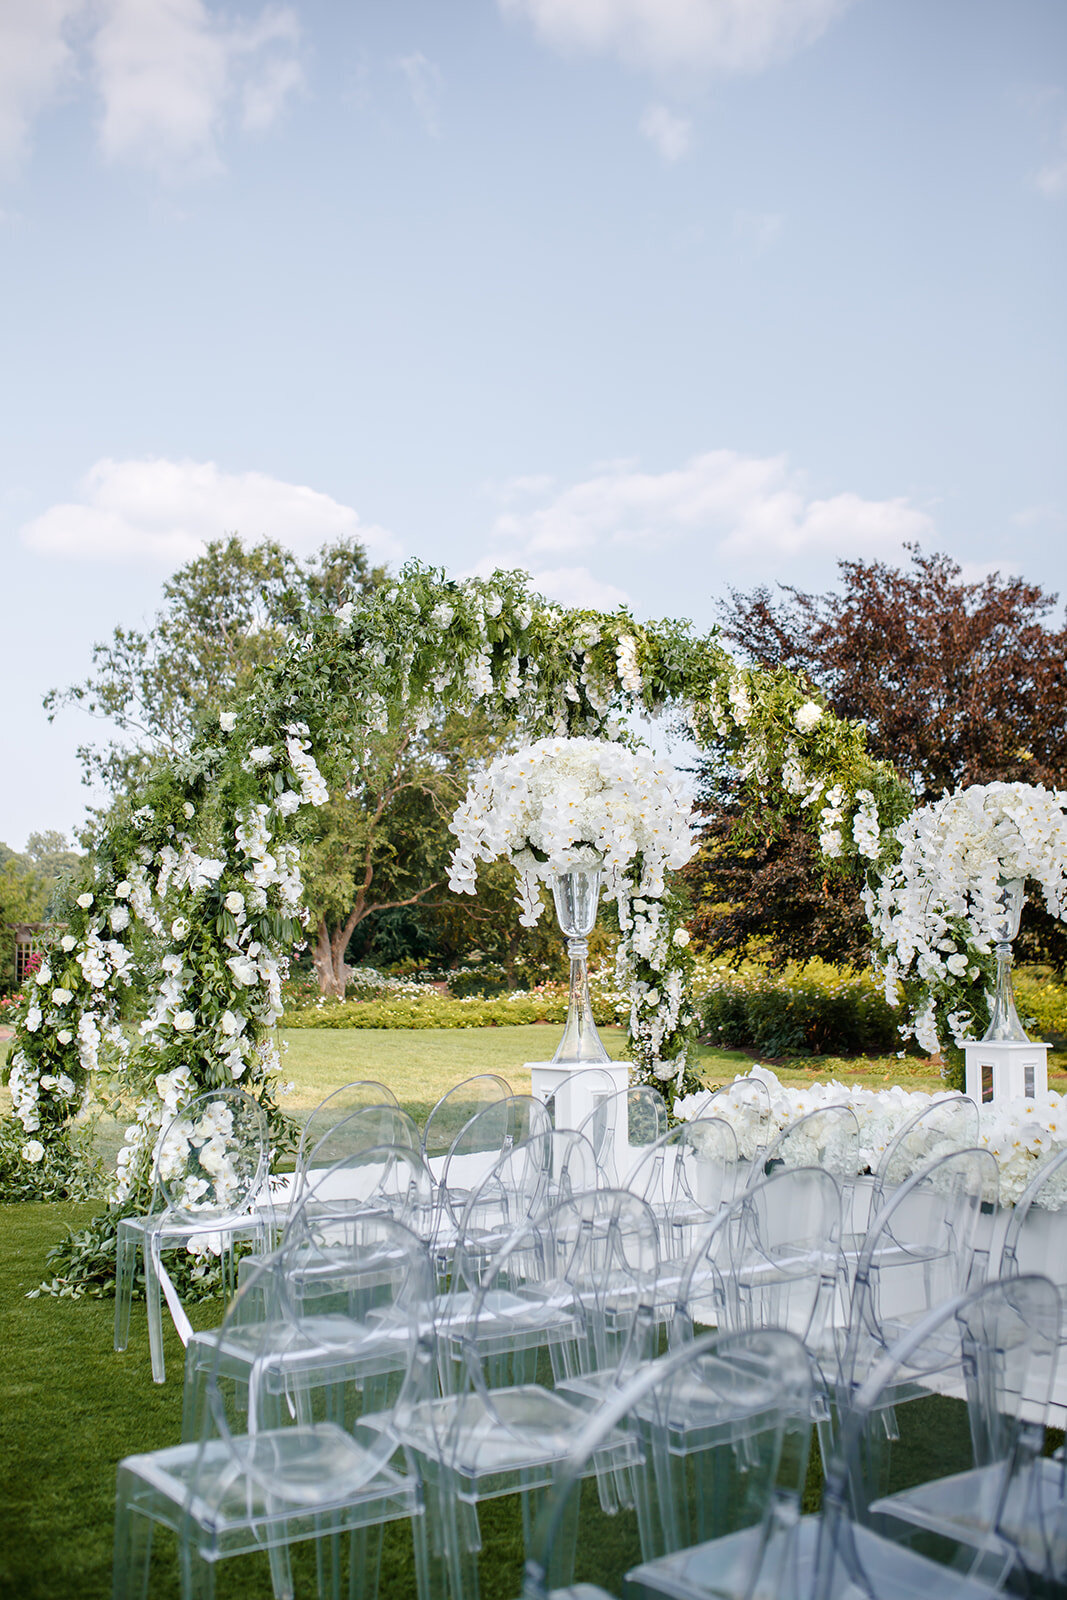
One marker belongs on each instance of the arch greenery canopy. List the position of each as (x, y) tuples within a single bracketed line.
[(167, 974)]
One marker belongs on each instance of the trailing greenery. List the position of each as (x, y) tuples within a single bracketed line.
[(808, 1009)]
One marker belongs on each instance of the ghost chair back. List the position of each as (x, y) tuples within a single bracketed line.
[(723, 1426), (258, 1479), (977, 1370), (622, 1127), (209, 1175)]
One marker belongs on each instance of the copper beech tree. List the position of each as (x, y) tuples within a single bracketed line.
[(956, 681)]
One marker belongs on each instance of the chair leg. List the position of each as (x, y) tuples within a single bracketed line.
[(154, 1300), (133, 1543), (126, 1247)]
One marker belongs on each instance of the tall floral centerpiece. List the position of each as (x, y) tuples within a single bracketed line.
[(956, 891), (575, 814)]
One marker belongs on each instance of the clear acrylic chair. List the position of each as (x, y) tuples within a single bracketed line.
[(210, 1172), (481, 1442), (688, 1177), (273, 1481), (923, 1250), (1032, 1239), (621, 1129), (454, 1110), (946, 1124), (387, 1180), (971, 1531), (715, 1502), (746, 1105), (494, 1130), (363, 1126), (1013, 1496), (771, 1260)]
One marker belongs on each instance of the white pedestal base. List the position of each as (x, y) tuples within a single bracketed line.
[(1006, 1070), (575, 1092)]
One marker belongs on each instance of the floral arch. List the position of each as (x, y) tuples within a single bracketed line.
[(193, 897)]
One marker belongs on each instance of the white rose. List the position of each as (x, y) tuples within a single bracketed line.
[(227, 721), (680, 937), (64, 1036), (188, 811), (85, 901), (119, 919), (62, 996), (122, 890), (652, 998), (68, 942), (184, 1021), (808, 715), (33, 1019), (32, 1150), (179, 928), (234, 901), (261, 755)]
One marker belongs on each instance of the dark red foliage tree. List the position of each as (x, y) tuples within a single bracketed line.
[(957, 683)]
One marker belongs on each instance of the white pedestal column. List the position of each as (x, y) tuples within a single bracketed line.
[(1002, 1069), (575, 1092)]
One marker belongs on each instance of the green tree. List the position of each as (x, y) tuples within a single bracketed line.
[(27, 881), (956, 682), (382, 844), (224, 614)]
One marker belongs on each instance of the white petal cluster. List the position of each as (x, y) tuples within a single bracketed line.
[(1022, 1134), (561, 803), (313, 790), (956, 855)]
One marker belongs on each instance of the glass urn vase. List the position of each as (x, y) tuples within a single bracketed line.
[(1004, 1024), (577, 895)]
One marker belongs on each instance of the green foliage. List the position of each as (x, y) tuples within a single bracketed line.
[(432, 1010), (28, 883), (225, 615), (1041, 1001), (67, 1169), (811, 1009)]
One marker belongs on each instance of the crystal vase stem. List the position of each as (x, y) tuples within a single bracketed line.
[(1004, 1021), (576, 895)]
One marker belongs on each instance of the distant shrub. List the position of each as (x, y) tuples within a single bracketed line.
[(809, 1010)]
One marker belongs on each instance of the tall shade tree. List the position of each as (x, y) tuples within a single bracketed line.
[(224, 615), (956, 683)]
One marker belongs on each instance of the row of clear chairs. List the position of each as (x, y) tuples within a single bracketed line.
[(210, 1175), (588, 1297), (584, 1274)]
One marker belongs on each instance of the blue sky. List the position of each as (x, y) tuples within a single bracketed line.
[(652, 297)]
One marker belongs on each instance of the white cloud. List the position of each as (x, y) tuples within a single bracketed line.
[(36, 60), (424, 86), (743, 508), (758, 231), (570, 586), (170, 76), (671, 135), (159, 512), (729, 36), (1051, 179)]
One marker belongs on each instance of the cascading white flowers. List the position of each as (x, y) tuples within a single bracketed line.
[(565, 803), (933, 911), (562, 803)]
